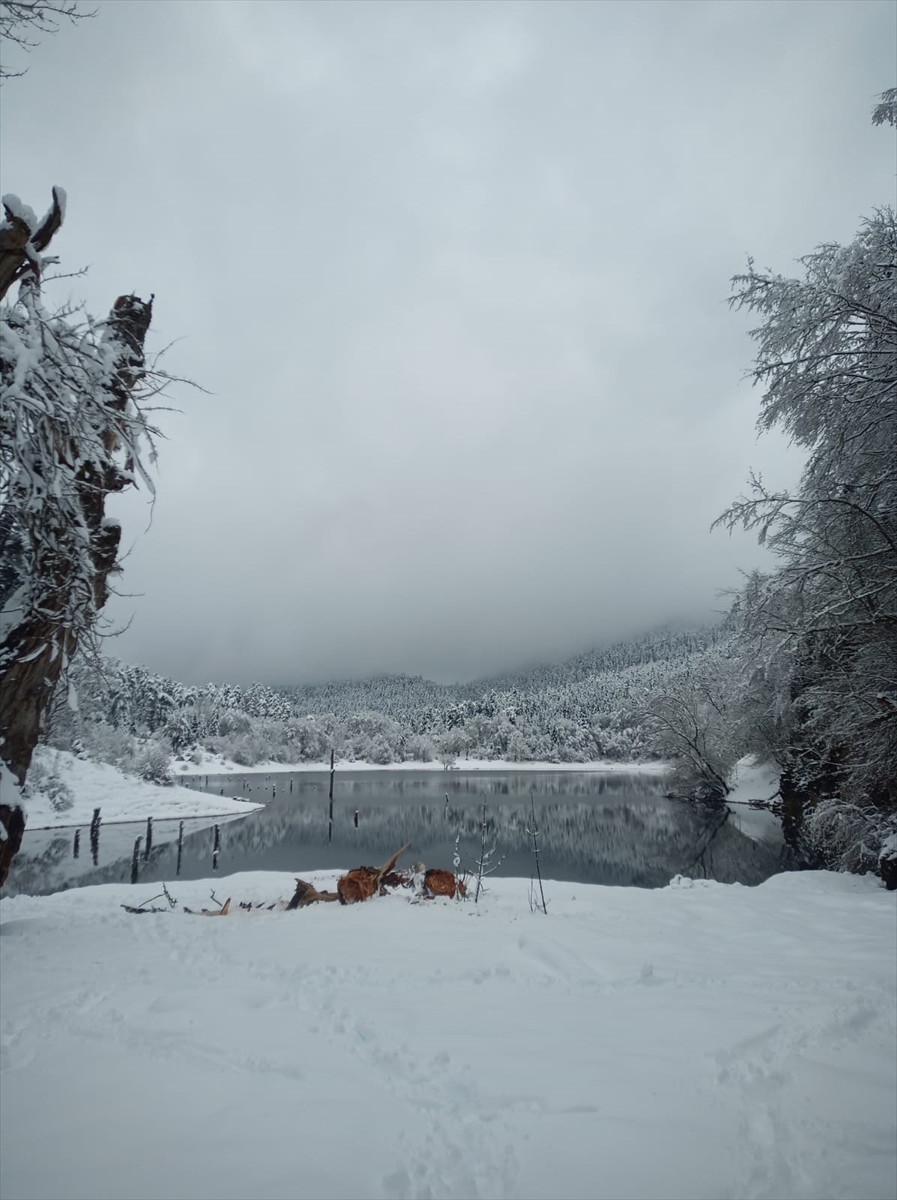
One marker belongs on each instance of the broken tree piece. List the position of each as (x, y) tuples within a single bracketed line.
[(307, 893), (363, 882), (439, 882)]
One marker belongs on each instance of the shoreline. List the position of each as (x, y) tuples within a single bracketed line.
[(220, 767), (251, 806), (122, 799)]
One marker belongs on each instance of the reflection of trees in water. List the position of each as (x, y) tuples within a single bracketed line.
[(607, 831), (643, 843), (560, 784), (432, 785)]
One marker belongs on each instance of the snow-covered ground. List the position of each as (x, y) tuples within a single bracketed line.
[(753, 780), (119, 797), (699, 1041), (214, 764)]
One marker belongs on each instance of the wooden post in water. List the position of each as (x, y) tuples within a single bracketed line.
[(216, 847), (135, 861), (149, 838), (330, 801), (76, 848), (356, 818), (95, 837), (180, 846)]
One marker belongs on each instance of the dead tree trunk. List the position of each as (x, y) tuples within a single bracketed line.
[(18, 241), (63, 604)]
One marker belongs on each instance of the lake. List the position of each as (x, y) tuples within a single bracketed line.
[(593, 828)]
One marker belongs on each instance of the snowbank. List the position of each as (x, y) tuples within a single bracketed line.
[(214, 764), (119, 797), (701, 1040)]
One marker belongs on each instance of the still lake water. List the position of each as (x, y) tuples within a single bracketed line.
[(593, 828)]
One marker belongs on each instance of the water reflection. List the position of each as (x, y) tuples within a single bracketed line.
[(630, 844), (401, 787), (614, 829), (50, 859)]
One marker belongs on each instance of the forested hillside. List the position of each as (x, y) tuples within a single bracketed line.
[(593, 706)]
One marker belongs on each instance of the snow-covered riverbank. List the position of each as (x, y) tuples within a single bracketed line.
[(119, 797), (214, 764), (701, 1040)]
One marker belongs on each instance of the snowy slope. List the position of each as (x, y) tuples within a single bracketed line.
[(119, 797), (701, 1040)]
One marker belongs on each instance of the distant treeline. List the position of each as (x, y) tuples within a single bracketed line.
[(589, 707)]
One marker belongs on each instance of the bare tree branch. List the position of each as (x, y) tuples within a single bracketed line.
[(24, 22)]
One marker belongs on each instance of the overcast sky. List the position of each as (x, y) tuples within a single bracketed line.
[(455, 276)]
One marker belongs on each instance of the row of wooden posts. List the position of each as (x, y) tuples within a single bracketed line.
[(94, 839), (144, 844), (144, 841)]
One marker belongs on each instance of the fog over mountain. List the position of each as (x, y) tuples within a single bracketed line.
[(455, 278)]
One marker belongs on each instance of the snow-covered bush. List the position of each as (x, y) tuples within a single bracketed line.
[(107, 744), (843, 836), (152, 761), (419, 748), (233, 721), (246, 749), (887, 862), (45, 778)]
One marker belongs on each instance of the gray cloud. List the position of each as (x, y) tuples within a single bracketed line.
[(456, 278)]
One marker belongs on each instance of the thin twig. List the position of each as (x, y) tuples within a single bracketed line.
[(535, 833)]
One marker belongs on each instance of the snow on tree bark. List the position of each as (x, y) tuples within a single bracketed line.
[(21, 237), (69, 437)]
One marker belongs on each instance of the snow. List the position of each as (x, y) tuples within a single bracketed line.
[(119, 797), (61, 198), (215, 764), (702, 1041), (17, 209), (755, 780)]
